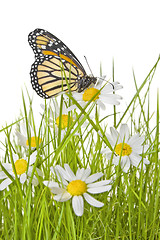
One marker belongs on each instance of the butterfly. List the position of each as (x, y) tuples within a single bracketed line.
[(54, 63)]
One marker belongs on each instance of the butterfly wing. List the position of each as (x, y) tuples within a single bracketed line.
[(53, 64)]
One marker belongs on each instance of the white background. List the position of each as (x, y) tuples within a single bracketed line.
[(123, 30)]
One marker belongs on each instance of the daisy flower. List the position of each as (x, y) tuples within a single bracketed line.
[(23, 139), (23, 167), (127, 149), (66, 119), (77, 187), (104, 96)]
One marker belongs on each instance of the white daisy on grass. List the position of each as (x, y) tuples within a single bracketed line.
[(77, 186), (104, 96), (23, 138), (23, 167), (127, 149), (66, 120)]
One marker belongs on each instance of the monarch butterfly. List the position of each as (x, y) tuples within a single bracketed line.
[(52, 58)]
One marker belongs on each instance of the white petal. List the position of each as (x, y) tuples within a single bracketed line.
[(146, 161), (7, 166), (5, 183), (2, 175), (11, 173), (50, 184), (79, 173), (124, 133), (110, 98), (15, 157), (21, 139), (60, 172), (72, 107), (108, 88), (23, 128), (108, 155), (144, 166), (135, 159), (94, 177), (58, 190), (23, 178), (63, 173), (69, 172), (141, 140), (138, 149), (115, 160), (35, 181), (136, 140), (40, 173), (99, 184), (125, 163), (99, 83), (32, 158), (64, 109), (92, 201), (117, 86), (63, 197), (53, 171), (30, 169), (106, 151), (99, 189), (86, 174), (59, 176), (133, 139), (101, 104), (110, 139), (78, 96), (78, 205), (63, 132), (115, 135)]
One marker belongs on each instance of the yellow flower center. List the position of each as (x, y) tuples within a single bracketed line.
[(126, 151), (33, 141), (64, 121), (21, 166), (77, 187), (89, 93)]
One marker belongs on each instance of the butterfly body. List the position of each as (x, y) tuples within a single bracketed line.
[(54, 63)]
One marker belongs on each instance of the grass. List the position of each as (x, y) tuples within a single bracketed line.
[(131, 208)]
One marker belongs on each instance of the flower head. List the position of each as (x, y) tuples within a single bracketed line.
[(23, 168), (61, 120), (77, 187), (23, 139), (102, 94), (127, 149)]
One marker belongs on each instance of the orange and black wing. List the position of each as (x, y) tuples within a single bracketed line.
[(54, 62)]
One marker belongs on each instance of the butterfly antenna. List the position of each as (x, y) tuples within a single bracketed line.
[(99, 77), (88, 65), (107, 81)]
